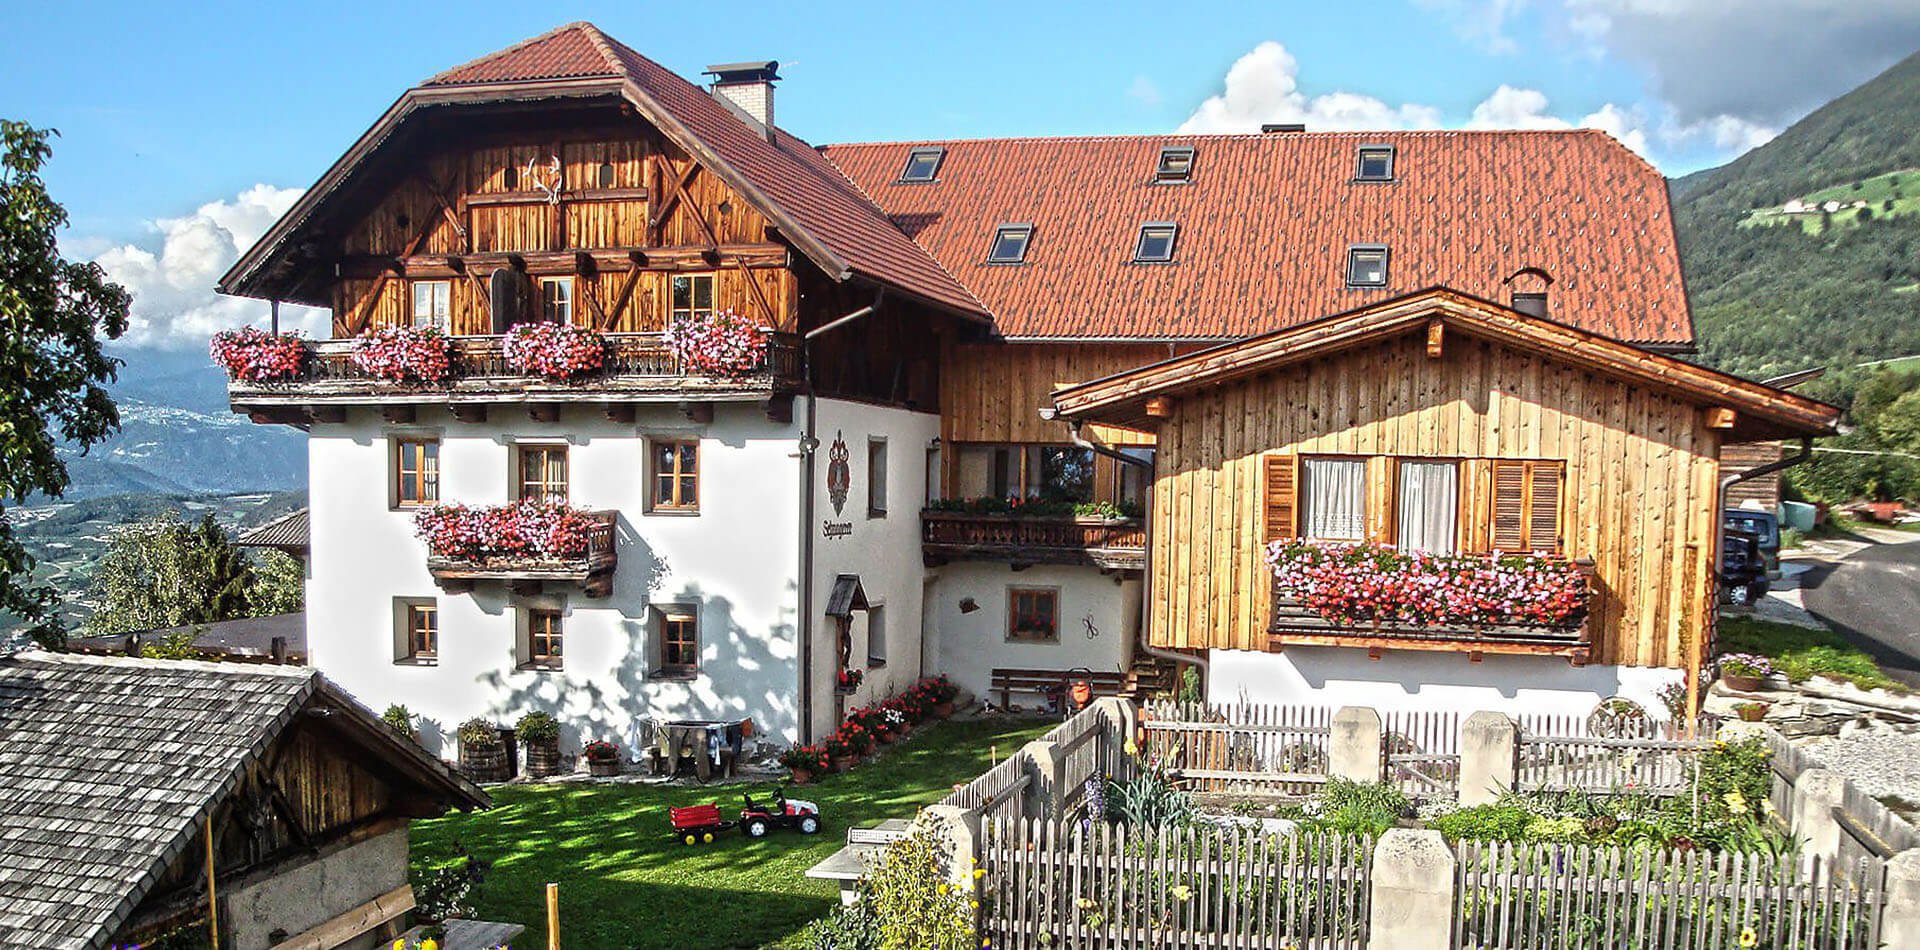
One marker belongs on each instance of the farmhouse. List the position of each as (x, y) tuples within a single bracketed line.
[(142, 793), (639, 408)]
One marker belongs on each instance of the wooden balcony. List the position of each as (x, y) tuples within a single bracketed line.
[(593, 572), (1119, 545), (1295, 624), (640, 368)]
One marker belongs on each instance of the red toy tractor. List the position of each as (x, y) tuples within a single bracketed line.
[(697, 824)]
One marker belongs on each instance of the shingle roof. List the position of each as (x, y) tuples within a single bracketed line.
[(249, 638), (109, 766), (1266, 221), (287, 532)]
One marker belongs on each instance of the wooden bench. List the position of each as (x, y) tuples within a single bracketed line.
[(1048, 683)]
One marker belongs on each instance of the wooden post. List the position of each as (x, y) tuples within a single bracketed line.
[(553, 916), (213, 901)]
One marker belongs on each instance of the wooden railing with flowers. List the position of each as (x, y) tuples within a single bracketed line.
[(634, 361), (1118, 543), (589, 562), (1365, 595)]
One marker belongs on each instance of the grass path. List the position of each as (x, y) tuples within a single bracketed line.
[(625, 883)]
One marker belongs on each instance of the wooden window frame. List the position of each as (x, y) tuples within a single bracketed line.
[(693, 308), (674, 505), (1462, 496), (668, 619), (553, 619), (421, 478), (544, 493), (407, 614), (877, 484), (1366, 484), (445, 324), (876, 609), (1014, 594), (546, 304), (1529, 472)]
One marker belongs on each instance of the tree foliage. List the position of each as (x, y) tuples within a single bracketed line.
[(168, 573), (53, 315)]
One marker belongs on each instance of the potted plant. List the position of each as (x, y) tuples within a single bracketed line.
[(873, 721), (404, 354), (556, 351), (539, 733), (849, 679), (253, 355), (804, 762), (898, 722), (401, 719), (724, 344), (603, 758), (941, 693), (841, 754), (1752, 712), (482, 755), (1744, 671)]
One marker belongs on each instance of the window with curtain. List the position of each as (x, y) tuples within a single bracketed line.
[(1429, 506), (543, 473), (1333, 496), (416, 472)]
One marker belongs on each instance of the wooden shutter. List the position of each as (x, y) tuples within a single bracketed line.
[(1526, 505), (1281, 499)]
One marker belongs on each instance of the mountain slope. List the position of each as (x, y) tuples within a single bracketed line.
[(1837, 291)]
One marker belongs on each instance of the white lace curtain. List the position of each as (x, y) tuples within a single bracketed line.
[(1336, 499), (1429, 503)]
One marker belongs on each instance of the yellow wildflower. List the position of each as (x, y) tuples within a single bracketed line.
[(1182, 893), (979, 873), (1736, 801), (943, 889), (1749, 939), (1132, 749)]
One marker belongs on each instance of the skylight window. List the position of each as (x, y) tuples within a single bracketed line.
[(1367, 265), (923, 164), (1156, 242), (1010, 244), (1376, 163), (1176, 163)]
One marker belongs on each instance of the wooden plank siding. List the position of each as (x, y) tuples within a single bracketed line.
[(1640, 471)]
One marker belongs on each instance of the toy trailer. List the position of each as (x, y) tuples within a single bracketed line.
[(696, 824)]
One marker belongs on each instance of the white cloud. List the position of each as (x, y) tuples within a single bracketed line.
[(172, 278)]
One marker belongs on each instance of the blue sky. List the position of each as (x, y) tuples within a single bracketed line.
[(171, 116)]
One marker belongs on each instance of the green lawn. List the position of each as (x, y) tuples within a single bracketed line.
[(624, 883), (1801, 652)]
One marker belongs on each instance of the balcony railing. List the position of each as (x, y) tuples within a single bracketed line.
[(1294, 623), (1119, 544), (593, 571), (637, 364)]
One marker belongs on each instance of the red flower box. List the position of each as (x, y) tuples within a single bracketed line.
[(404, 354), (554, 350), (724, 344), (1358, 584), (256, 356), (526, 531)]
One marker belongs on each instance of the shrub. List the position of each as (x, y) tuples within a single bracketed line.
[(1502, 821), (478, 732), (441, 888), (554, 350), (256, 356), (849, 927), (537, 726), (938, 689), (910, 892), (404, 354), (1361, 808), (399, 717), (600, 750)]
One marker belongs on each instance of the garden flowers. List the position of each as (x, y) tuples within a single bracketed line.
[(554, 350), (724, 344), (403, 354), (256, 356), (1371, 583), (527, 530)]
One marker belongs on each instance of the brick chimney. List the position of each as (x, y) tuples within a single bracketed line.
[(748, 89)]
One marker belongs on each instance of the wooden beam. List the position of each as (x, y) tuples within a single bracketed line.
[(612, 316), (621, 412), (1720, 417), (543, 412), (469, 412), (333, 414), (761, 256), (701, 412), (577, 195), (759, 296), (397, 414), (363, 309), (353, 923), (1436, 338), (1159, 407)]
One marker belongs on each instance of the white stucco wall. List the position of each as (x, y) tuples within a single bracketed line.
[(969, 646), (883, 551), (737, 559), (1415, 680)]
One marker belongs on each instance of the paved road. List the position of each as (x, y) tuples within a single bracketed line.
[(1873, 599)]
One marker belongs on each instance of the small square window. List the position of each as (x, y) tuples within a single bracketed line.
[(1376, 163), (1033, 614), (923, 164), (675, 467), (1176, 163), (416, 472), (556, 299), (876, 635), (679, 639), (1367, 265), (1010, 244), (692, 296), (416, 631), (432, 303), (545, 640), (1156, 243), (542, 473)]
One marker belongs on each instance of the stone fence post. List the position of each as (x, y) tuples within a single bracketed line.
[(1354, 750), (958, 836), (1900, 921), (1489, 750), (1815, 795), (1046, 773), (1412, 897)]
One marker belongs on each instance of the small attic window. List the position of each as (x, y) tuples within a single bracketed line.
[(1156, 242), (923, 164), (604, 176), (1175, 164), (1376, 163), (1367, 265), (1010, 244)]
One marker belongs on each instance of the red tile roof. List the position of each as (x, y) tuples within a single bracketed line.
[(1266, 221), (791, 173)]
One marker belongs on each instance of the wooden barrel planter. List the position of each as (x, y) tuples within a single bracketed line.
[(485, 762), (543, 757), (603, 768)]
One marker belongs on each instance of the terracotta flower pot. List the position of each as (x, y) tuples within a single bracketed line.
[(1743, 683), (603, 768), (1752, 713), (887, 737), (841, 763), (943, 710), (801, 776)]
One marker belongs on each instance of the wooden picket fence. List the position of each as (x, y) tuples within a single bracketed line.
[(1609, 755), (1083, 746), (1251, 747), (1094, 885), (1562, 897), (1421, 752)]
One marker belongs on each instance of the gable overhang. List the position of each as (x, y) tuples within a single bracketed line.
[(1749, 411), (253, 274)]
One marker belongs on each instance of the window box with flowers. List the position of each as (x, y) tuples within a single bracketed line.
[(723, 344), (253, 355), (527, 540), (404, 354), (557, 351), (848, 680), (1335, 591), (603, 758)]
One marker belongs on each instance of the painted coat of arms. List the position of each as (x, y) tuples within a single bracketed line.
[(839, 473)]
